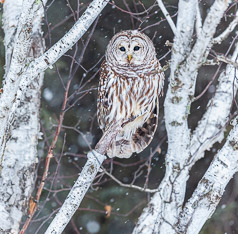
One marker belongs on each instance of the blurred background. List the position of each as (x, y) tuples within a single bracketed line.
[(109, 208)]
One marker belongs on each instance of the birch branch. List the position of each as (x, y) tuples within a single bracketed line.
[(198, 20), (165, 206), (10, 99), (77, 193), (85, 179), (182, 40), (10, 22), (167, 16), (227, 31), (207, 195), (152, 216), (211, 127)]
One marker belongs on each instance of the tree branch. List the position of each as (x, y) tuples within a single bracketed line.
[(10, 99), (198, 20), (17, 56), (167, 16), (228, 30), (78, 191), (211, 187), (163, 210), (211, 127), (17, 176), (130, 185)]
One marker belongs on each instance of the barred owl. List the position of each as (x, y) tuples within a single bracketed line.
[(130, 84)]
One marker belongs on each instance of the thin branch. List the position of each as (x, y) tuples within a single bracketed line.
[(11, 99), (167, 16), (85, 179), (129, 185), (224, 59), (228, 30)]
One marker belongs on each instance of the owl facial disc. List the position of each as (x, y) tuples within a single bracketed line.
[(130, 48)]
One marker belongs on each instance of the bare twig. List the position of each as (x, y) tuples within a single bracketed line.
[(129, 185), (167, 16)]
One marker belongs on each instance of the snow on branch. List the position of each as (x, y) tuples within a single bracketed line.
[(85, 179), (210, 189)]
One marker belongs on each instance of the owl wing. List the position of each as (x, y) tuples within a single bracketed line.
[(161, 79), (144, 135), (102, 100)]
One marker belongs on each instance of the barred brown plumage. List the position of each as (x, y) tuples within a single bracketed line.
[(130, 83)]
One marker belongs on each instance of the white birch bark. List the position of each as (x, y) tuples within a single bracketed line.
[(17, 57), (20, 156), (211, 127), (19, 126), (211, 187), (19, 102), (77, 193), (85, 179), (13, 90), (162, 213)]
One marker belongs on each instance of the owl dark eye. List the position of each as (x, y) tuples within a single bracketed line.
[(122, 48), (136, 48)]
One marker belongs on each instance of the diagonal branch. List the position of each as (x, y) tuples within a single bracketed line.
[(212, 125), (198, 20), (85, 179), (10, 99), (167, 16), (227, 31), (211, 187)]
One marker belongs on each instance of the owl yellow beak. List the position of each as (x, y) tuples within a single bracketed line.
[(129, 57)]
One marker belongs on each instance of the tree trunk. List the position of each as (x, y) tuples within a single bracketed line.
[(17, 178)]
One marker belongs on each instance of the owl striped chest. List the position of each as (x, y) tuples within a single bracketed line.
[(129, 97)]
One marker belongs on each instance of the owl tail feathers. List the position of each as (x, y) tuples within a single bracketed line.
[(123, 147)]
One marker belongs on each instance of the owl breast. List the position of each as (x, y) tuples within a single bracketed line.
[(129, 98)]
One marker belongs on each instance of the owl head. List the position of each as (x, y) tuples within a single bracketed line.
[(130, 48)]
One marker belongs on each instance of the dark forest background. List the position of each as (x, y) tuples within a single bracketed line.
[(80, 130)]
